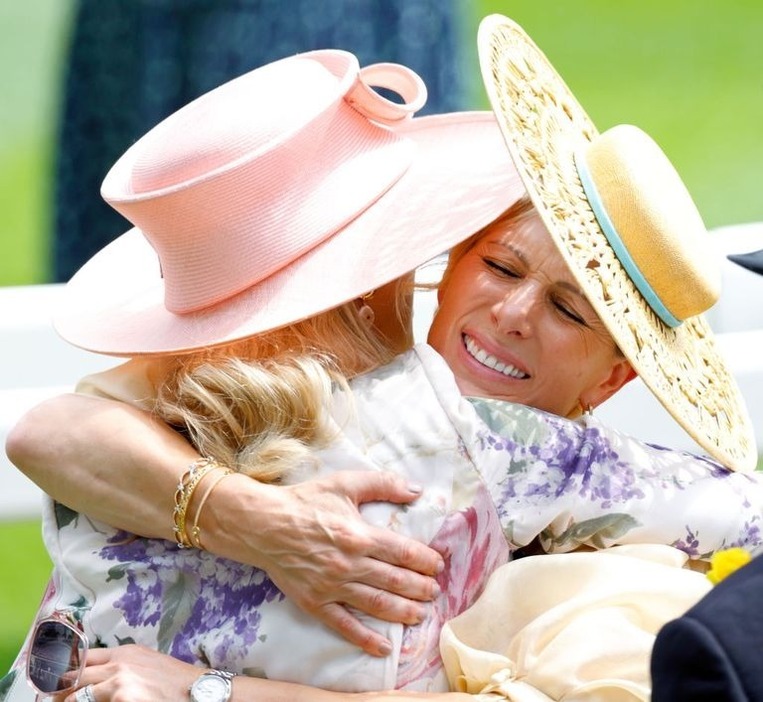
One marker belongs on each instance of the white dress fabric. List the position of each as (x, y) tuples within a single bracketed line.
[(496, 476)]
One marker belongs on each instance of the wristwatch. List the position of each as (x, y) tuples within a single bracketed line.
[(212, 686)]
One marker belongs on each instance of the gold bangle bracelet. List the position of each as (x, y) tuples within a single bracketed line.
[(195, 529)]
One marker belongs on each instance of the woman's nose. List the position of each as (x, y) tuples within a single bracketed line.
[(513, 312)]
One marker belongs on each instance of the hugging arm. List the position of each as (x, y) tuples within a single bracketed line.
[(120, 465), (598, 487), (142, 675)]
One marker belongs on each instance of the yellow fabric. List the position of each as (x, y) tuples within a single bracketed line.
[(577, 627)]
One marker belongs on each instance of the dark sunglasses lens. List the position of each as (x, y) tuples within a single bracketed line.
[(56, 656)]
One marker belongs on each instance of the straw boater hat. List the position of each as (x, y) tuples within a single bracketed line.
[(629, 231), (279, 195)]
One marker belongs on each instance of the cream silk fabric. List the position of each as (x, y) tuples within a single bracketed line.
[(577, 627)]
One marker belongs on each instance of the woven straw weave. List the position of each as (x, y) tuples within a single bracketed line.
[(545, 127)]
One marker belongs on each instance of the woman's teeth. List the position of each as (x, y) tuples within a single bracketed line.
[(491, 361)]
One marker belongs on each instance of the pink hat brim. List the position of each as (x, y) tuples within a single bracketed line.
[(461, 179)]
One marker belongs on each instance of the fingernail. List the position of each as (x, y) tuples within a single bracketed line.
[(385, 648), (415, 488), (421, 615), (440, 567)]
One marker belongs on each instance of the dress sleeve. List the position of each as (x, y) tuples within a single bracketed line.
[(573, 483), (135, 381)]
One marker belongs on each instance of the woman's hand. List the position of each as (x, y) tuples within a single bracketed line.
[(312, 541), (120, 465), (138, 674)]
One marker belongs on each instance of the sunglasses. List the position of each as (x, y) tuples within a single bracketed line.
[(57, 655)]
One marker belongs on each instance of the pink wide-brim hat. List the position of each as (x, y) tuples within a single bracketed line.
[(279, 195)]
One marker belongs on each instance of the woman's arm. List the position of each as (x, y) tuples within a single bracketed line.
[(120, 465), (93, 455), (140, 674), (575, 483)]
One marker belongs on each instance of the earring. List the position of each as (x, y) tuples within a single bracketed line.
[(367, 314), (588, 411)]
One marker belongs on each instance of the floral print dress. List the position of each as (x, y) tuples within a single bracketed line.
[(497, 477)]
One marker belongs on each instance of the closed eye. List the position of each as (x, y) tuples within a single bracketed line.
[(570, 313), (500, 268)]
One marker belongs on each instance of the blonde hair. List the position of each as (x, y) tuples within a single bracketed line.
[(259, 405)]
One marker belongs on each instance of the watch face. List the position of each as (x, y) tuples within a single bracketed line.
[(209, 688)]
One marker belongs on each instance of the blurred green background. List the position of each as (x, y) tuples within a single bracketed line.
[(689, 73)]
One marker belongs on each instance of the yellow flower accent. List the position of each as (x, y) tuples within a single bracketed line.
[(724, 563)]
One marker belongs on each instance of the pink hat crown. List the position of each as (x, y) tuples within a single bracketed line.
[(249, 177), (278, 196)]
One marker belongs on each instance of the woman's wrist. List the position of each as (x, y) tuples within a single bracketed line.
[(233, 516), (193, 490)]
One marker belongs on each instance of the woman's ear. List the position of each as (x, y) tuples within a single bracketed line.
[(621, 373)]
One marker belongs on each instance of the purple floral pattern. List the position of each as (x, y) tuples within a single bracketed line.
[(187, 594), (600, 488), (498, 477)]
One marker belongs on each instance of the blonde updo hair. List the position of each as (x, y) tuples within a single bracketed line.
[(259, 405)]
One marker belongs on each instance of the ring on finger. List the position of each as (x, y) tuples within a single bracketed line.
[(85, 694)]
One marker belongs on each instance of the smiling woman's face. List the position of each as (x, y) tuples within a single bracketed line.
[(514, 325)]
